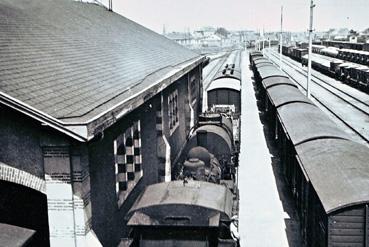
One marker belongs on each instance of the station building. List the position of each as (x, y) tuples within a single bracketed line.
[(94, 107)]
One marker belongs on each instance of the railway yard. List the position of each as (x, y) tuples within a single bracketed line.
[(347, 106), (270, 213), (113, 134)]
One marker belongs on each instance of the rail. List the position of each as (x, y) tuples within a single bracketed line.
[(349, 99)]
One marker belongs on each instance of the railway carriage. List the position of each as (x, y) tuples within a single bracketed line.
[(280, 93), (265, 72), (317, 48), (330, 52), (343, 44), (319, 64), (298, 53), (358, 77), (257, 60), (349, 72), (224, 92), (325, 171), (253, 55), (334, 207)]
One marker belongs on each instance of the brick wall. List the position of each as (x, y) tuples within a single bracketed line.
[(107, 213), (19, 142), (46, 161), (79, 179)]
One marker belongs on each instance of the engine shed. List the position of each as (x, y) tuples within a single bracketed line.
[(96, 107)]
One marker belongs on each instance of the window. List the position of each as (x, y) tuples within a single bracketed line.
[(173, 111), (128, 161)]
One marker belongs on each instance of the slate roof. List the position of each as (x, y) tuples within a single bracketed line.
[(73, 62)]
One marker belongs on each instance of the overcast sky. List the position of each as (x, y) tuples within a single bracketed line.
[(180, 15)]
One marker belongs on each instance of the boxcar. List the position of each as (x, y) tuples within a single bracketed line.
[(328, 174), (279, 95), (224, 92), (333, 182)]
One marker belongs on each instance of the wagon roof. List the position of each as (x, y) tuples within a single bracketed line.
[(273, 81), (256, 53), (304, 122), (260, 58), (283, 94), (264, 60), (74, 64), (338, 171), (191, 196), (270, 71), (235, 74), (230, 83)]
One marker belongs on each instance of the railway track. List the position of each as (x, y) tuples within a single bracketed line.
[(209, 75), (359, 104), (357, 117)]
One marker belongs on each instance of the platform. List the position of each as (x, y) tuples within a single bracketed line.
[(267, 214)]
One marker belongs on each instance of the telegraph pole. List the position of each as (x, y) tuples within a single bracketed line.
[(262, 40), (310, 48), (281, 40)]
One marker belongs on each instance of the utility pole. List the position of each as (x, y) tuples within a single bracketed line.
[(310, 48), (281, 40), (110, 5), (262, 40)]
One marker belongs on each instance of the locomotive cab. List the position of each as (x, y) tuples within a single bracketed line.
[(167, 214)]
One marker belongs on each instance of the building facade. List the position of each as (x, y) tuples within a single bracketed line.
[(94, 108)]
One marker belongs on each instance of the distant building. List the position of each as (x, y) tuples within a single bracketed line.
[(93, 108), (184, 39)]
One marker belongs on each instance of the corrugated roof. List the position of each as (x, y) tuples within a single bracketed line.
[(338, 171), (74, 61), (304, 122)]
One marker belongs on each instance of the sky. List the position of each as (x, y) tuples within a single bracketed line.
[(181, 15)]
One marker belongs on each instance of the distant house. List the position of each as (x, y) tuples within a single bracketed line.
[(93, 108), (212, 40), (181, 38)]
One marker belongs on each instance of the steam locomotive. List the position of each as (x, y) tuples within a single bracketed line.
[(200, 207)]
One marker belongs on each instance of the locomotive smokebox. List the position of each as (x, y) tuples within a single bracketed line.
[(200, 153), (195, 168)]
